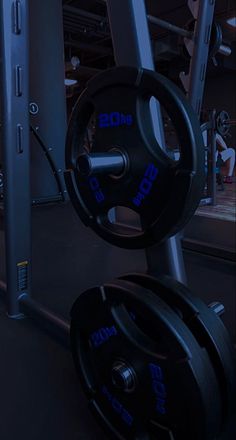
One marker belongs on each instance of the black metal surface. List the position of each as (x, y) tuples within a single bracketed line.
[(173, 376), (207, 328), (163, 193)]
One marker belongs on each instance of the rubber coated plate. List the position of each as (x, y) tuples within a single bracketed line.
[(169, 396), (206, 327), (162, 192)]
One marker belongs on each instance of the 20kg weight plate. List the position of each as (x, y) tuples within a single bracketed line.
[(125, 165), (145, 375), (207, 328)]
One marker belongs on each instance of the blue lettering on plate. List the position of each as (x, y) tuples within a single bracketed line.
[(102, 335), (158, 387), (117, 407), (114, 119), (145, 185), (96, 190)]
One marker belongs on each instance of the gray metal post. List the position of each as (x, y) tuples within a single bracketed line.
[(15, 143), (195, 81), (47, 99), (132, 46)]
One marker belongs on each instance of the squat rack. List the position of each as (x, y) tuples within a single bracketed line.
[(132, 47)]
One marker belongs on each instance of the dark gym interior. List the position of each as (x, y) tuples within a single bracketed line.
[(117, 219)]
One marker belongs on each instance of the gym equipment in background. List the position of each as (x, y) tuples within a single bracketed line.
[(218, 122), (125, 165), (216, 41), (223, 122)]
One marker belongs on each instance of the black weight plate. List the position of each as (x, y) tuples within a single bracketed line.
[(215, 39), (207, 328), (222, 122), (170, 399), (163, 193)]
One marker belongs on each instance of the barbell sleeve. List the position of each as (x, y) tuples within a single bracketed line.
[(113, 162)]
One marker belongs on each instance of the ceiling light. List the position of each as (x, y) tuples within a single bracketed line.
[(70, 82), (232, 21)]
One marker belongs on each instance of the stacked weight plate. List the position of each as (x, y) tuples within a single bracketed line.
[(154, 362)]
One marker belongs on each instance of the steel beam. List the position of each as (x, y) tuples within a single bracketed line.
[(132, 47), (14, 95), (199, 60)]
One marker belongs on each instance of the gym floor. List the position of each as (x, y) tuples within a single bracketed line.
[(225, 207), (39, 387)]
